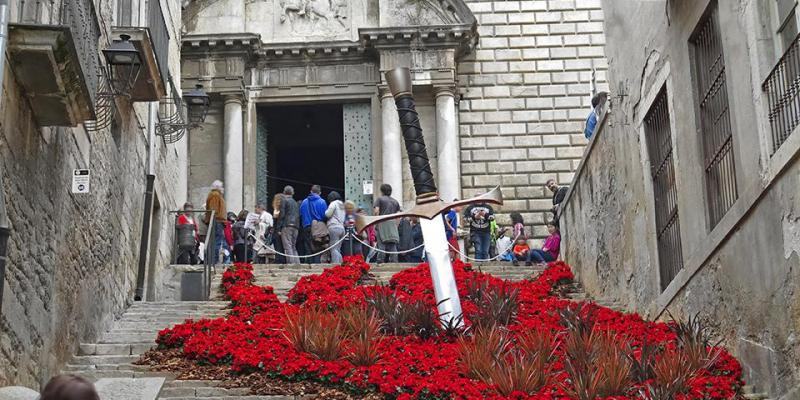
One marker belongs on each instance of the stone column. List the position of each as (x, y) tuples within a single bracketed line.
[(447, 144), (234, 154), (391, 146)]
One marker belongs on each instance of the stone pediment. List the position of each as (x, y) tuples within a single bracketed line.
[(283, 21)]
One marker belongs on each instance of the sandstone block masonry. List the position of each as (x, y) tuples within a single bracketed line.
[(525, 94)]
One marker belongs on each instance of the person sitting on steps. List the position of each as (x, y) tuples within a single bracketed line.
[(551, 248)]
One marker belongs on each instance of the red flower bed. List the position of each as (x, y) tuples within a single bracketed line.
[(253, 337)]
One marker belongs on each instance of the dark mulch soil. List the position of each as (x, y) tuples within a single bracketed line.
[(172, 360)]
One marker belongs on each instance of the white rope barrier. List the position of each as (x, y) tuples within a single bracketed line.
[(272, 249), (388, 252), (495, 258), (349, 234)]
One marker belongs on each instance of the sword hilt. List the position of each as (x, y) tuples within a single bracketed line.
[(400, 84)]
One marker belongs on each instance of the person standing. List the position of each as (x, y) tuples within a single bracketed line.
[(387, 234), (276, 237), (335, 215), (351, 247), (261, 223), (406, 240), (188, 254), (312, 216), (216, 202), (289, 222), (559, 194), (480, 217), (451, 230), (416, 240), (240, 238)]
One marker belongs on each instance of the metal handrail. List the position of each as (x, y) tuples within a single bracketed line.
[(208, 264)]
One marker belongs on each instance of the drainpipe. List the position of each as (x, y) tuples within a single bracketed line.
[(144, 242), (5, 231)]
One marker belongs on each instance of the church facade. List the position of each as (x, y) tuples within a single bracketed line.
[(503, 90)]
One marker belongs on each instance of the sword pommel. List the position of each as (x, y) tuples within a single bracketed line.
[(399, 80)]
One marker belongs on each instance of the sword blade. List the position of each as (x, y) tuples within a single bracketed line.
[(444, 280)]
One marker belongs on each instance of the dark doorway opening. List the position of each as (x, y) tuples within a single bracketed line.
[(305, 146)]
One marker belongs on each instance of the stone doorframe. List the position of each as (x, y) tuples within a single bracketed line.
[(247, 73)]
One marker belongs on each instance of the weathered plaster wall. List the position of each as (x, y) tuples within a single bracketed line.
[(72, 259), (526, 94), (741, 274)]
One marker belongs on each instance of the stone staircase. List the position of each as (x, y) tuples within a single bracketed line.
[(134, 333), (283, 277)]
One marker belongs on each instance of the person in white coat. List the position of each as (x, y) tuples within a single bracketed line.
[(335, 215)]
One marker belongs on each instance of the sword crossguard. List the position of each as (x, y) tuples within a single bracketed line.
[(430, 210)]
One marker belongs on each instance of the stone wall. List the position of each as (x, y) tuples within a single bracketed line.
[(526, 93), (73, 259), (740, 274)]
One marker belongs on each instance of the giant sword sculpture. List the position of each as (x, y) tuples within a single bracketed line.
[(429, 207)]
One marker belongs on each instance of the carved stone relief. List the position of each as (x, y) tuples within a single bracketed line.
[(416, 12), (316, 18)]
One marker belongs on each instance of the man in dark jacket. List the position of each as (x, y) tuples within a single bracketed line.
[(312, 209), (288, 225), (479, 216), (559, 193)]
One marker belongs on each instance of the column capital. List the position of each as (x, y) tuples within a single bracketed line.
[(444, 90), (233, 97), (384, 92)]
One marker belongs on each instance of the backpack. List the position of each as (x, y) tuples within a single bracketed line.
[(319, 232)]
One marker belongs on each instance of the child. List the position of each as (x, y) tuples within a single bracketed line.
[(504, 246), (521, 250), (551, 248)]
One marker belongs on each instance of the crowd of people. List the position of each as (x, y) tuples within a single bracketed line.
[(323, 230)]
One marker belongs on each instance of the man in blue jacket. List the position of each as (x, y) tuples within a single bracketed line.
[(312, 209)]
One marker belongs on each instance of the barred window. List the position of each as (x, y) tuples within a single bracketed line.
[(665, 191), (782, 86), (708, 62)]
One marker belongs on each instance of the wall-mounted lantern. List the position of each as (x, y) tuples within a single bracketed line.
[(124, 63), (197, 104)]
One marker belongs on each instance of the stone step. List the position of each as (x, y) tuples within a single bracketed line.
[(103, 360), (201, 392), (91, 349), (94, 375)]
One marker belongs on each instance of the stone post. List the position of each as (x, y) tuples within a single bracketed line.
[(234, 153), (391, 146), (447, 144)]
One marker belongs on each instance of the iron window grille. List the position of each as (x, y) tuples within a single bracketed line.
[(708, 62), (665, 192), (782, 89)]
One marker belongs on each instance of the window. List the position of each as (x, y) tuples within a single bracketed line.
[(786, 22), (708, 63), (782, 86), (665, 192)]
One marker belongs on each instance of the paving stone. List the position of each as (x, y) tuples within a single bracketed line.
[(129, 389), (18, 393)]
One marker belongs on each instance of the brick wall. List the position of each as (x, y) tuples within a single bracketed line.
[(525, 97)]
